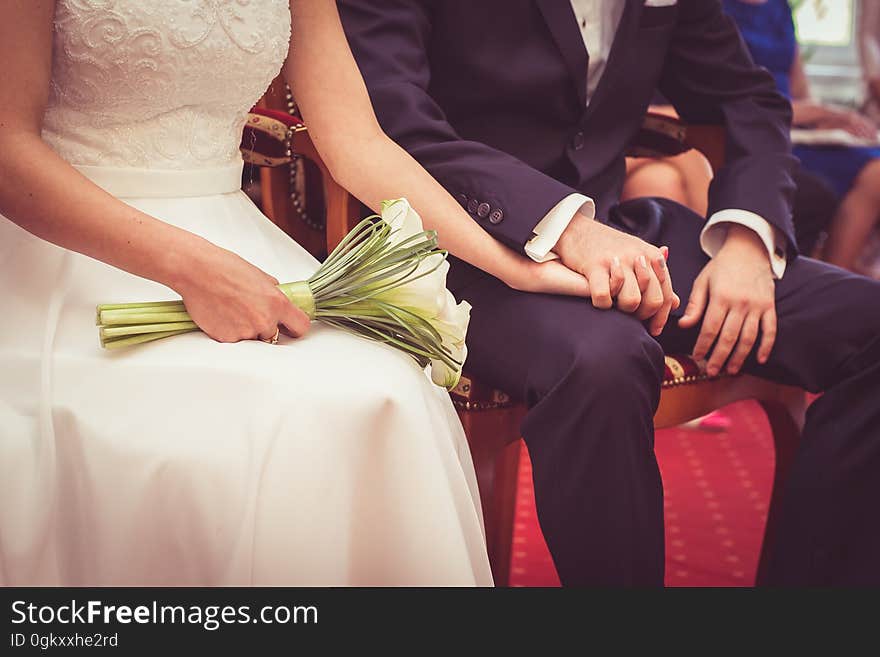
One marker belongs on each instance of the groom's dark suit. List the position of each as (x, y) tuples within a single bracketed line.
[(490, 96)]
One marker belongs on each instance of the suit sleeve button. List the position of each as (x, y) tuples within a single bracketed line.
[(483, 210), (472, 205), (462, 200), (496, 216)]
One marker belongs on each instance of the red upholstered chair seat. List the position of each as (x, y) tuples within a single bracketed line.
[(268, 137), (681, 369)]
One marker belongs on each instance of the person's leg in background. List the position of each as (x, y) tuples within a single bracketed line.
[(681, 178), (854, 173), (856, 219)]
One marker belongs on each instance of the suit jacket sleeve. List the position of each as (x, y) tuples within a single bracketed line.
[(390, 42), (710, 77)]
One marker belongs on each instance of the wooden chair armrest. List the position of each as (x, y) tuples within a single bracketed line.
[(343, 209), (662, 135), (267, 137), (272, 137), (710, 140)]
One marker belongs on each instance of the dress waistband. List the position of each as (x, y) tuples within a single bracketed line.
[(124, 182)]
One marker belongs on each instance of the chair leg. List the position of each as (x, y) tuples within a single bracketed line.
[(496, 461), (786, 418), (506, 479)]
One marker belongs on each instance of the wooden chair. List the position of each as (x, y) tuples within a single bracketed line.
[(490, 417), (274, 139)]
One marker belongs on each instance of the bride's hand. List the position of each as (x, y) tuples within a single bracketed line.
[(232, 300), (548, 278)]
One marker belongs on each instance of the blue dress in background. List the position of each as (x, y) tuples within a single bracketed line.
[(768, 30)]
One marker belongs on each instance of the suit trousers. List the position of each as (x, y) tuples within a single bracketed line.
[(591, 379)]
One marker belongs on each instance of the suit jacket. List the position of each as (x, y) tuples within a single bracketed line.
[(490, 97)]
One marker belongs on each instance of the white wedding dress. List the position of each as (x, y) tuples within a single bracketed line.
[(328, 460)]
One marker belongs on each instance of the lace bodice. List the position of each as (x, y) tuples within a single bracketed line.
[(160, 84)]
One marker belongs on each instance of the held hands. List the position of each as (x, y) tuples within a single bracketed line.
[(232, 300), (619, 267), (739, 289), (550, 277)]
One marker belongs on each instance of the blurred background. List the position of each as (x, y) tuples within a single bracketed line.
[(827, 31)]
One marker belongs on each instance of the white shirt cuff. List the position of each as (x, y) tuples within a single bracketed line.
[(715, 232), (550, 228)]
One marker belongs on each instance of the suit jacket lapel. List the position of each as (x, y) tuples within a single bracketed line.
[(563, 26), (623, 42)]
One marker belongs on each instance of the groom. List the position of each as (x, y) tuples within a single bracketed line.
[(523, 109)]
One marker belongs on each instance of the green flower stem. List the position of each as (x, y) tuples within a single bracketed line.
[(140, 304), (136, 329), (138, 316), (154, 306), (140, 339)]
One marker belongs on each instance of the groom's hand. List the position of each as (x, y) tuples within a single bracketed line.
[(619, 267), (740, 291)]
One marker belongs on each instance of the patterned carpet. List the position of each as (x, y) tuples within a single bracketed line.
[(717, 488)]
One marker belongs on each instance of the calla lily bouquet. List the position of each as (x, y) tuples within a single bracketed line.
[(386, 281)]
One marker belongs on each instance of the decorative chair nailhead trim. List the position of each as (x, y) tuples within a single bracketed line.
[(500, 400)]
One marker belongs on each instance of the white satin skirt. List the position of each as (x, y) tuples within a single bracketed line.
[(324, 461)]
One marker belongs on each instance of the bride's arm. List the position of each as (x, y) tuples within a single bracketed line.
[(330, 92), (229, 298)]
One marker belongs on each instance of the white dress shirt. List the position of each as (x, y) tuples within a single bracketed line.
[(598, 21)]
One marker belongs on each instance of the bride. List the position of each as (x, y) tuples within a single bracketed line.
[(323, 461)]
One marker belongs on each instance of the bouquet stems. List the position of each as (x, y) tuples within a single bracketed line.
[(386, 281)]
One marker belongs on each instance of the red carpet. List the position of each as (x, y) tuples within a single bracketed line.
[(717, 487)]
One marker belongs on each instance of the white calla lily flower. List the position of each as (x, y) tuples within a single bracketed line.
[(426, 292), (452, 325), (404, 221), (428, 297)]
